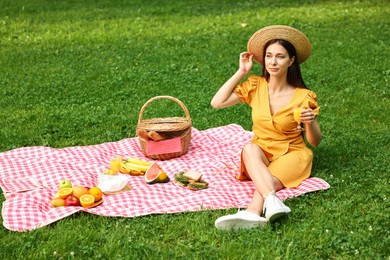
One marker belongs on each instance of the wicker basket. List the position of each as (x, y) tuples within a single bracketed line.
[(170, 127)]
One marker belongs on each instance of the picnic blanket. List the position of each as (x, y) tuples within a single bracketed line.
[(29, 178)]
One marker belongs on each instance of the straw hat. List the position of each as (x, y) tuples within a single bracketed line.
[(297, 38)]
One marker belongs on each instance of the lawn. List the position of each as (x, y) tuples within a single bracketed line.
[(78, 72)]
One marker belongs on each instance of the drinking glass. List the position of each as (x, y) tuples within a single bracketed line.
[(115, 164), (297, 118)]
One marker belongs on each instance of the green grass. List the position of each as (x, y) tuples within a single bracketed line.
[(77, 73)]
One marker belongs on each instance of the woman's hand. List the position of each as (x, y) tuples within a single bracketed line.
[(246, 62), (312, 129), (225, 97), (307, 116)]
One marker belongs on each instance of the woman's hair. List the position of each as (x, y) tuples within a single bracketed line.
[(294, 75)]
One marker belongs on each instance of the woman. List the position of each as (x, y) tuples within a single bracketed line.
[(277, 156)]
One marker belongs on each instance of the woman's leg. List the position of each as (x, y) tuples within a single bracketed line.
[(256, 164), (257, 202)]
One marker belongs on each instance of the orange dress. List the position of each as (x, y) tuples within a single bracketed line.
[(290, 158)]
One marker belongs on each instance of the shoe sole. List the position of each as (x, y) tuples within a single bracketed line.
[(238, 223), (277, 215)]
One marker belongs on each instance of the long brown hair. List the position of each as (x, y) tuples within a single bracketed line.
[(294, 75)]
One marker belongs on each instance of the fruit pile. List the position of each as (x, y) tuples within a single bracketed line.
[(69, 195), (132, 166)]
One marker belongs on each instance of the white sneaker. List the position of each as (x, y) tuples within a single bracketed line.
[(274, 208), (241, 220)]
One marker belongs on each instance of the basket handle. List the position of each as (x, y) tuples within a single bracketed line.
[(163, 97)]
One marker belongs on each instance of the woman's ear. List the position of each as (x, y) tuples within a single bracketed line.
[(292, 60)]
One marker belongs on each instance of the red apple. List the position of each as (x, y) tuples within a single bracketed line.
[(72, 201)]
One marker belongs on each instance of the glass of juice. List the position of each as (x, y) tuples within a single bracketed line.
[(297, 118), (115, 164)]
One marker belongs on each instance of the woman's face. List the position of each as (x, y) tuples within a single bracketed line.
[(277, 60)]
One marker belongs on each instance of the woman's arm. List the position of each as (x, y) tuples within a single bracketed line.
[(225, 96), (312, 129)]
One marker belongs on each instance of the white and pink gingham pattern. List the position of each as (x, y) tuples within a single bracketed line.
[(29, 179)]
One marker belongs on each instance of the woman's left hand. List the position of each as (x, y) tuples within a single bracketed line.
[(312, 129), (307, 116)]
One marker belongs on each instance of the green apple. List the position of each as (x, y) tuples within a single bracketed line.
[(65, 184)]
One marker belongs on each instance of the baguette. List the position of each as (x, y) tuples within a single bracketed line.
[(143, 134), (155, 136)]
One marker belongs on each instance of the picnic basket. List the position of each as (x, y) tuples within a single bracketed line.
[(168, 128)]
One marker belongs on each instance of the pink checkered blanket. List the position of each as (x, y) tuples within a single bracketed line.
[(29, 179)]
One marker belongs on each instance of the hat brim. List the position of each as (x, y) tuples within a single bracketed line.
[(297, 38)]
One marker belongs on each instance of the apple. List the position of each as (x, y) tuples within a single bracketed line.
[(57, 202), (72, 201), (65, 184)]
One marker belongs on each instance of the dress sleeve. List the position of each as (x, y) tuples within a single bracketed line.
[(247, 89), (311, 102)]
